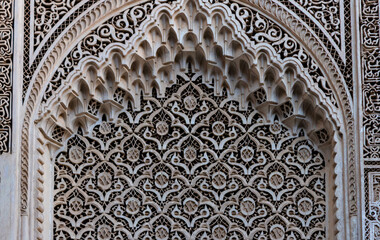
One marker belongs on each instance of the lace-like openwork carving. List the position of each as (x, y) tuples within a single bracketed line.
[(191, 165), (6, 63)]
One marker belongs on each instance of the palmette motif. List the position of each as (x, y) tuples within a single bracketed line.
[(190, 165)]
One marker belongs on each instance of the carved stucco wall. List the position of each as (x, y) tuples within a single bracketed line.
[(58, 34)]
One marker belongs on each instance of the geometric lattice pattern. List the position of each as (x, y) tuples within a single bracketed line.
[(190, 165), (6, 64)]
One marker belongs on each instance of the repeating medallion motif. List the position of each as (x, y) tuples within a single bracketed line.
[(190, 165)]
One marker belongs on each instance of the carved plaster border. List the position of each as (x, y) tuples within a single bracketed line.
[(369, 27), (6, 67), (268, 8)]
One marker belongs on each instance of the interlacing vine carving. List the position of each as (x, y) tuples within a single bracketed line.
[(193, 164), (47, 14), (327, 13), (259, 29), (40, 38), (6, 66), (338, 39), (370, 57), (263, 30), (117, 29)]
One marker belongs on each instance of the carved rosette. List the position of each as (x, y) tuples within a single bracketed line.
[(190, 165)]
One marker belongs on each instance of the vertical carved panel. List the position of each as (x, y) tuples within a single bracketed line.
[(370, 58), (6, 54), (372, 203), (370, 34)]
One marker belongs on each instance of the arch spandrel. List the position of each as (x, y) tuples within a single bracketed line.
[(85, 95)]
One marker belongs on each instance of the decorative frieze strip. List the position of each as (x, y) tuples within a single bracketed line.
[(372, 202), (370, 37), (348, 50), (6, 53), (370, 59), (27, 72)]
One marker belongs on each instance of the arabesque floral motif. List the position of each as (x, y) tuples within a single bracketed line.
[(190, 165)]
